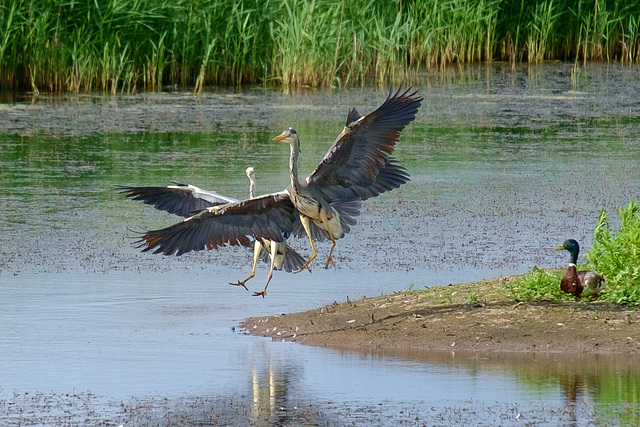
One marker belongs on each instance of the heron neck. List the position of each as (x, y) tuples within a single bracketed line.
[(293, 165), (252, 187)]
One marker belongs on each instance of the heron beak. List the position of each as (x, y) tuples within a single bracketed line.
[(282, 136), (558, 248)]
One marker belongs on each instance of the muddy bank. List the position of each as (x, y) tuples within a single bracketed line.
[(473, 317)]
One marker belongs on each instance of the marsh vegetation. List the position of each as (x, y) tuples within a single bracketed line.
[(130, 45)]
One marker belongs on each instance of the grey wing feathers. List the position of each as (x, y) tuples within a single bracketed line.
[(271, 217), (348, 205), (293, 261), (178, 199), (365, 144), (389, 177)]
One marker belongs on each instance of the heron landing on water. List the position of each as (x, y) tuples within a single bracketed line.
[(322, 206)]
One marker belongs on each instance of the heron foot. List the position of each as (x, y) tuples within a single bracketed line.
[(262, 293), (304, 267), (239, 284), (329, 261)]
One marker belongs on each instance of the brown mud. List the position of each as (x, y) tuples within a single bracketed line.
[(480, 316)]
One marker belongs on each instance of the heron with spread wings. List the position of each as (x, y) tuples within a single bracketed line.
[(185, 200), (322, 206)]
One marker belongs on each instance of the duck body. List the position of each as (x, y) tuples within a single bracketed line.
[(579, 283)]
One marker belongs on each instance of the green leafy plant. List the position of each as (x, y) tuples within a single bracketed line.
[(122, 45), (473, 298), (616, 255), (539, 284)]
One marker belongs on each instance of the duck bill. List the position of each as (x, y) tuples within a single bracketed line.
[(558, 248)]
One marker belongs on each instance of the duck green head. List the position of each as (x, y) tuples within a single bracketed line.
[(573, 247)]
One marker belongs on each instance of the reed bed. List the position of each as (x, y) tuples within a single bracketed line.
[(129, 45)]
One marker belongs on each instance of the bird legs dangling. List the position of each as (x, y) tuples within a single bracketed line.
[(257, 248), (274, 253), (329, 257), (305, 224)]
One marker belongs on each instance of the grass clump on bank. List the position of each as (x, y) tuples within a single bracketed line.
[(615, 255), (539, 284), (125, 45)]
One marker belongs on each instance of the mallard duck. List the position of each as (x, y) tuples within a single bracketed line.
[(579, 283)]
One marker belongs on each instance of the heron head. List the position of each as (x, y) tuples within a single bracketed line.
[(250, 172), (289, 136)]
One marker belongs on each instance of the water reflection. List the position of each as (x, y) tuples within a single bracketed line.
[(272, 386), (583, 381), (503, 165)]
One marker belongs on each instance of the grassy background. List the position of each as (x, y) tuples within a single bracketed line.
[(126, 45)]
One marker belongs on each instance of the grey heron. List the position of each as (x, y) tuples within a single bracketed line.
[(185, 199), (280, 253), (324, 205)]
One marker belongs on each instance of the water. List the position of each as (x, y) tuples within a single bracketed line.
[(504, 167)]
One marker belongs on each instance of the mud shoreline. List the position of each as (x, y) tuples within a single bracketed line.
[(469, 317)]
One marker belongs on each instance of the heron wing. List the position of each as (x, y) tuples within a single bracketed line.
[(270, 217), (178, 199), (293, 261), (363, 148), (389, 177)]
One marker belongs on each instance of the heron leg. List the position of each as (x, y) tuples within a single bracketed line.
[(307, 228), (329, 257), (257, 248), (274, 252)]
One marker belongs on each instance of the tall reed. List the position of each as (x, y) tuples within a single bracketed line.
[(127, 45)]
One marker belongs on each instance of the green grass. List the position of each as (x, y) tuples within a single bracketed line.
[(129, 45), (615, 254)]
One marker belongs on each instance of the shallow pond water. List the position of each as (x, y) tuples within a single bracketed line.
[(504, 165)]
